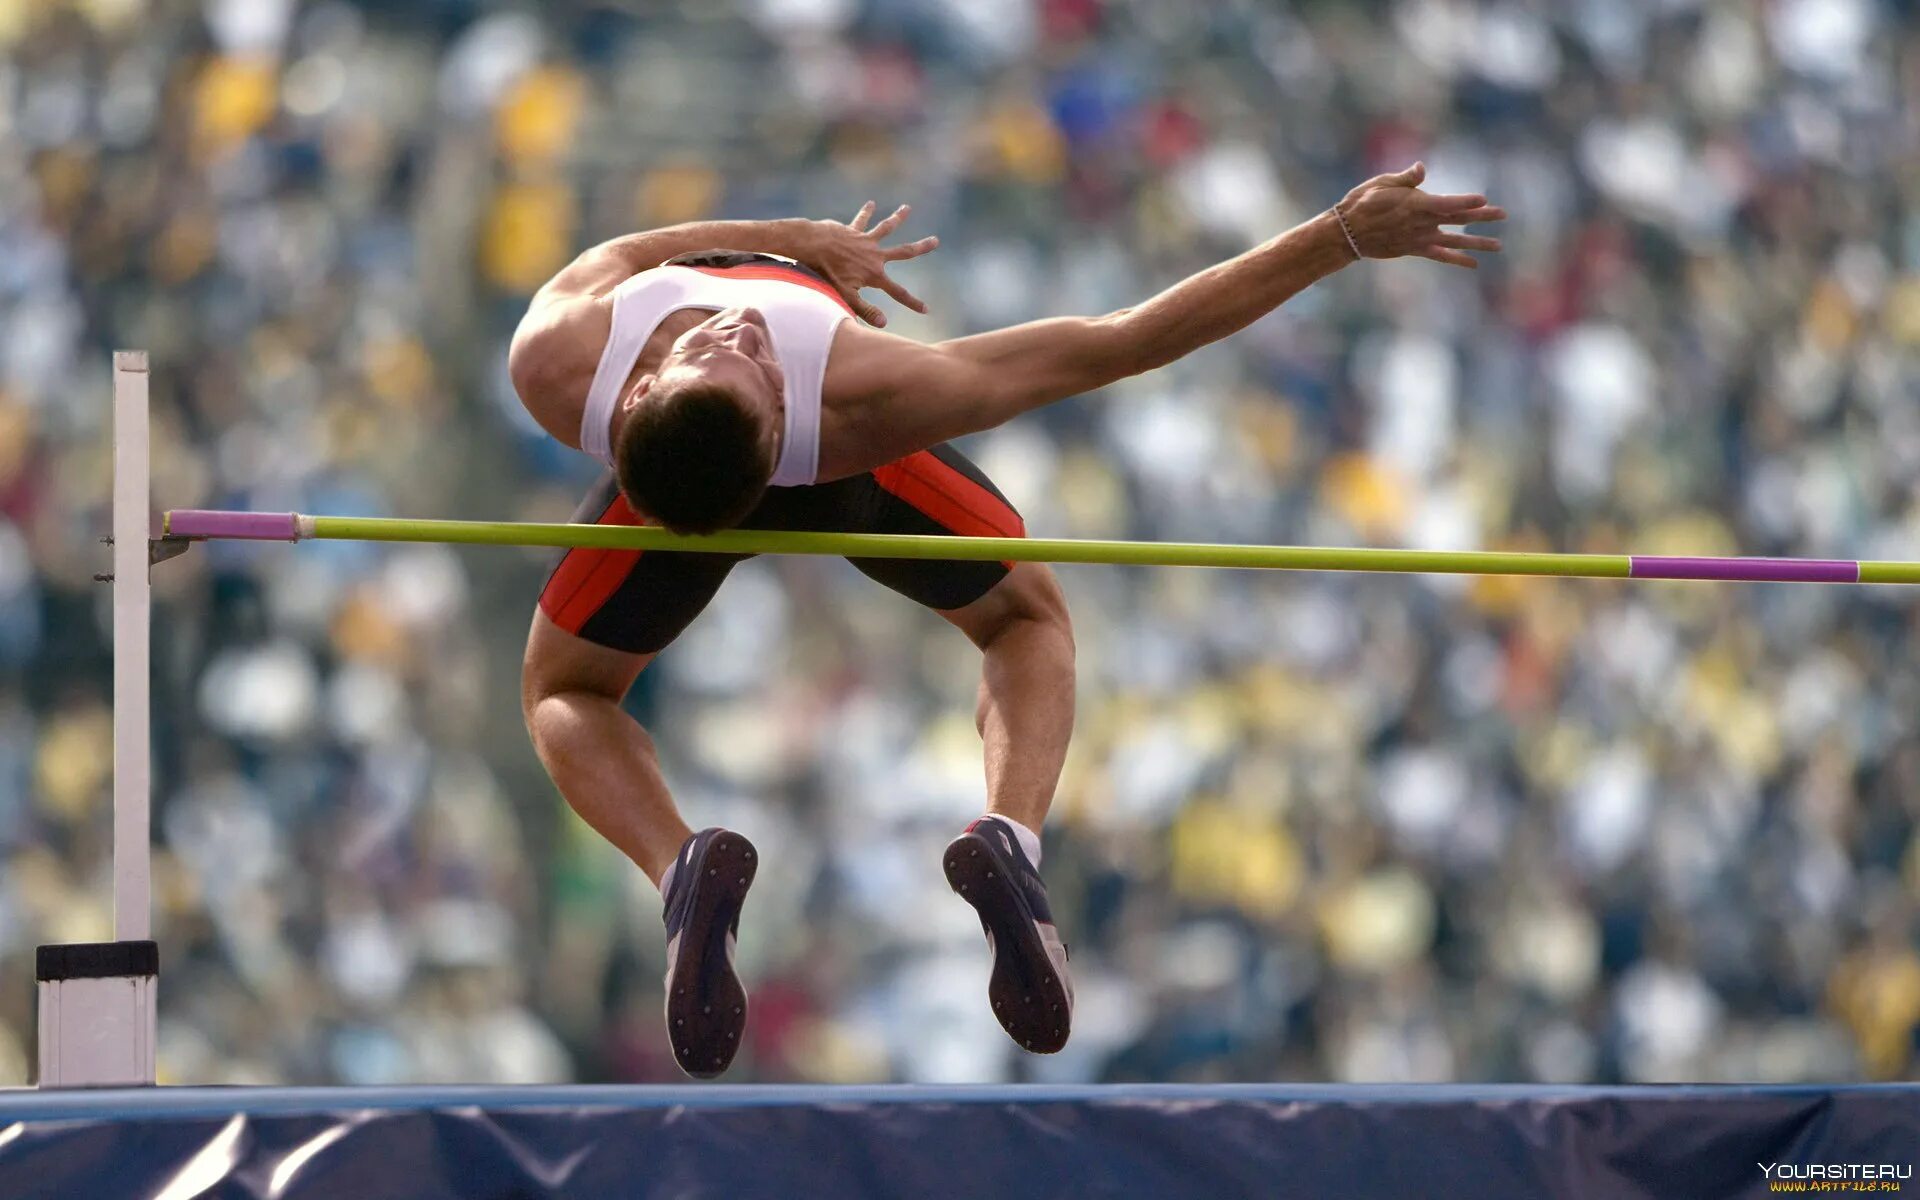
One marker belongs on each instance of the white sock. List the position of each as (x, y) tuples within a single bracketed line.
[(666, 880), (1028, 839)]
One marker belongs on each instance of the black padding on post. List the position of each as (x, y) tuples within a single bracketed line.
[(97, 960)]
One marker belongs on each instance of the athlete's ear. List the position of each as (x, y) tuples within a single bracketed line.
[(638, 392)]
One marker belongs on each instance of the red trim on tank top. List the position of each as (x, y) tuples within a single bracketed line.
[(779, 274)]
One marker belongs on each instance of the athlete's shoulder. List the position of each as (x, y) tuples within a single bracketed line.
[(556, 346), (884, 396), (867, 363)]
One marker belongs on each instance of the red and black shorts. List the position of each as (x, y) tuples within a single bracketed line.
[(638, 601)]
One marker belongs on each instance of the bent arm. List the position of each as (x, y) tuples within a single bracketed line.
[(600, 269), (556, 346)]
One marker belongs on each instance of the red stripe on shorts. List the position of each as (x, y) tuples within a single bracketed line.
[(951, 499), (586, 579), (774, 271)]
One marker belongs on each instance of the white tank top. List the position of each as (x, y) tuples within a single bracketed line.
[(801, 319)]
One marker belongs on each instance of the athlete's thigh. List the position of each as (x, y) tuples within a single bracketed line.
[(938, 492), (631, 601)]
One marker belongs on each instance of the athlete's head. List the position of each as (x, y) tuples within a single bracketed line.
[(701, 435)]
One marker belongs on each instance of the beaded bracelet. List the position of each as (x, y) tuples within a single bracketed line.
[(1355, 246)]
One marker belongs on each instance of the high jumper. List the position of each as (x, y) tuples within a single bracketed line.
[(713, 369)]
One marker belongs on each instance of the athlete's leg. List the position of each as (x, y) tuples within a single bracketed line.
[(1016, 615), (603, 616), (604, 764), (1025, 712), (600, 758), (1025, 718)]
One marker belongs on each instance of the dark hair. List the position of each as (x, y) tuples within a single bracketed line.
[(692, 459)]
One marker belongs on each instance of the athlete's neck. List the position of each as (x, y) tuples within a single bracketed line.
[(655, 352)]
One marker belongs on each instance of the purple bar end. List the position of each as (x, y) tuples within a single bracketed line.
[(1748, 570), (251, 526)]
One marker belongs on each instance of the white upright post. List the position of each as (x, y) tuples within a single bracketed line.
[(97, 1002), (132, 631)]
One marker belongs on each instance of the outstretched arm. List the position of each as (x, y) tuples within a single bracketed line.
[(850, 256), (906, 396)]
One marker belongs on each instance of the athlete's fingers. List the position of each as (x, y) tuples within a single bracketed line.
[(850, 292), (925, 245), (1441, 254), (901, 294), (1467, 241), (1475, 216), (1411, 177), (860, 219), (1448, 204), (892, 223)]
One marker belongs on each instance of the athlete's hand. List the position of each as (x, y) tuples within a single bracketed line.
[(852, 258), (1390, 217)]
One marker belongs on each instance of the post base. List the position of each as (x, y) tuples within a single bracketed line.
[(97, 1013)]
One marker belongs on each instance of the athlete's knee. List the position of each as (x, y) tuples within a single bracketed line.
[(543, 719), (539, 693), (557, 677), (1031, 596), (538, 681), (559, 716), (1046, 600)]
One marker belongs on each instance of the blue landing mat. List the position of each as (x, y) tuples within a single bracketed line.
[(1351, 1143)]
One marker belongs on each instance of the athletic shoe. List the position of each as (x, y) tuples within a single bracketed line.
[(706, 1006), (1031, 992)]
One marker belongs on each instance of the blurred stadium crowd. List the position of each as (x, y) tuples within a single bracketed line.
[(1312, 827)]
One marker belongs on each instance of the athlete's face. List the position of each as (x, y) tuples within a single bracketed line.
[(734, 350)]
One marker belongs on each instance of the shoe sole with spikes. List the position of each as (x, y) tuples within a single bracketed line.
[(706, 1004), (1028, 994)]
